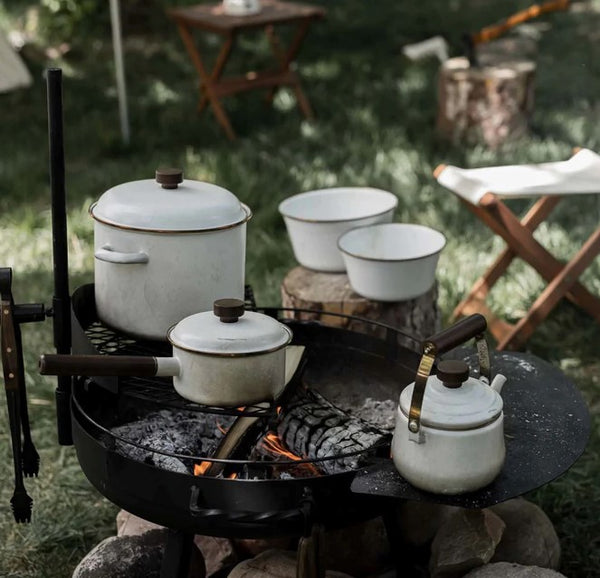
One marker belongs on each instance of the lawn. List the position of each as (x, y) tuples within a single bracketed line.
[(375, 127)]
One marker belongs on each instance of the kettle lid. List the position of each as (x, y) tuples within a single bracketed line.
[(453, 400)]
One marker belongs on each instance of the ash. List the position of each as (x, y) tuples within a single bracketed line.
[(381, 414), (171, 432)]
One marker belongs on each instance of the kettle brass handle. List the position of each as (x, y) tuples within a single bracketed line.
[(455, 335)]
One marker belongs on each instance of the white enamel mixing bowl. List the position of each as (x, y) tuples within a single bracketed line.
[(391, 262), (315, 220)]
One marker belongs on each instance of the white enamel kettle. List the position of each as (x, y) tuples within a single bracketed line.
[(449, 435)]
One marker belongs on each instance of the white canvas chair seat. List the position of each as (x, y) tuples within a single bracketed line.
[(578, 175), (482, 191)]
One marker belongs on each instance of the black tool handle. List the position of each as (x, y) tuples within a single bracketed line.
[(29, 313), (456, 334)]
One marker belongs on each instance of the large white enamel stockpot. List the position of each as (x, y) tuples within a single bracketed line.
[(225, 357), (449, 435), (165, 249)]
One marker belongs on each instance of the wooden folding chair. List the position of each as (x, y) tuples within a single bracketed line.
[(482, 190)]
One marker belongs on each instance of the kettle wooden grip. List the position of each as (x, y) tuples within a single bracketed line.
[(456, 335), (98, 365)]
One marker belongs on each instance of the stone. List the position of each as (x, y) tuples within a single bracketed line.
[(251, 548), (466, 540), (529, 538), (360, 550), (132, 557), (273, 564), (131, 525), (508, 570), (419, 522), (218, 553)]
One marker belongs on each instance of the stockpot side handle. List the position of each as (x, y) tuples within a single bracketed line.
[(109, 255), (473, 326)]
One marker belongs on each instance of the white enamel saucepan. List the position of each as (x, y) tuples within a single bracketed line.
[(225, 357)]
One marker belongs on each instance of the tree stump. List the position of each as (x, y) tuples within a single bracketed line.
[(325, 294), (488, 104)]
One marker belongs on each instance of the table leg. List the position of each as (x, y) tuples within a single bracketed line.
[(208, 81), (285, 60)]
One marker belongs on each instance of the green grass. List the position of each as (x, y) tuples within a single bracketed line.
[(375, 127)]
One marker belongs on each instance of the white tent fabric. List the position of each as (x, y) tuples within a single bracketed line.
[(578, 175), (13, 72)]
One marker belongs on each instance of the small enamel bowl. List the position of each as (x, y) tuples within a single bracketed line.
[(316, 219), (393, 261)]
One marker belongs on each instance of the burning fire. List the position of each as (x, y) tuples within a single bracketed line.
[(200, 469), (272, 444)]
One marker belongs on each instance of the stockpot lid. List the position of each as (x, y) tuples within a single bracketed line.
[(170, 204), (471, 405), (230, 331)]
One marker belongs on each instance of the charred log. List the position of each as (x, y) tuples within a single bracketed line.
[(314, 428)]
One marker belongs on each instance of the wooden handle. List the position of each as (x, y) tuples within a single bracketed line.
[(457, 334), (98, 365), (492, 32)]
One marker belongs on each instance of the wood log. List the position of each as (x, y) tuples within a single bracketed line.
[(326, 293), (485, 104), (312, 427)]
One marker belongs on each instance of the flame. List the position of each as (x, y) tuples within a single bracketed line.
[(200, 469), (272, 443), (232, 476)]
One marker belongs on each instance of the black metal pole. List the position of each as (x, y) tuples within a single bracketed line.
[(61, 301)]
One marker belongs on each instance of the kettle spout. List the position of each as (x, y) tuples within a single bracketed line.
[(498, 382)]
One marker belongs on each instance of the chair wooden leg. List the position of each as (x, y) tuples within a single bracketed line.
[(504, 223), (553, 293), (476, 297)]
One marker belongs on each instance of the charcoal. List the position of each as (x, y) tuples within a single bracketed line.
[(168, 431)]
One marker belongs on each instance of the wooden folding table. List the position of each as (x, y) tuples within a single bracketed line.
[(211, 18)]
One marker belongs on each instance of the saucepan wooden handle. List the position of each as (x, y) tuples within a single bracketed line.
[(455, 335), (98, 365)]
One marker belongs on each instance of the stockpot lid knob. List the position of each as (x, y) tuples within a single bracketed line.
[(228, 310), (169, 178), (452, 372)]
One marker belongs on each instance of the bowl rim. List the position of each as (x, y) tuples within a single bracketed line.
[(389, 194), (380, 259)]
